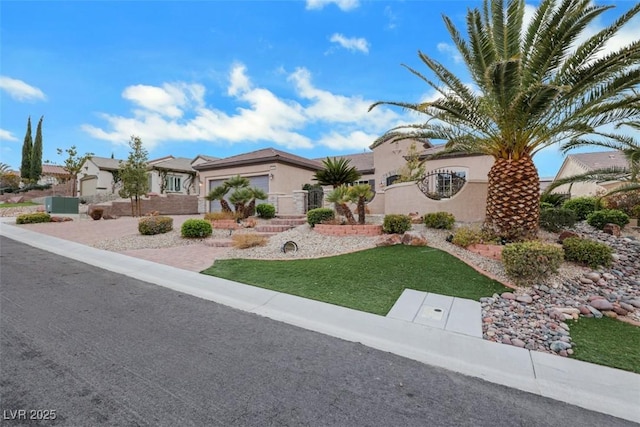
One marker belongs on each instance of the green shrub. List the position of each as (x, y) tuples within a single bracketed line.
[(466, 236), (625, 201), (266, 210), (583, 206), (528, 262), (599, 219), (635, 212), (554, 199), (587, 252), (546, 205), (196, 228), (318, 215), (555, 219), (396, 224), (150, 225), (32, 218), (439, 220)]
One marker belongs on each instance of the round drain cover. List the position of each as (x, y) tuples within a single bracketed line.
[(290, 246)]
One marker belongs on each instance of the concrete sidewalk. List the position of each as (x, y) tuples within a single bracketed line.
[(594, 387)]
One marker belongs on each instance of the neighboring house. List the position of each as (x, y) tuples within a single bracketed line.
[(99, 176), (172, 175), (279, 174), (577, 164), (53, 174)]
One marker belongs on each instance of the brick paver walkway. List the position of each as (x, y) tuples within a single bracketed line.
[(86, 231)]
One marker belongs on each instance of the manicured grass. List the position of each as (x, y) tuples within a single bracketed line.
[(370, 280), (17, 205), (607, 342)]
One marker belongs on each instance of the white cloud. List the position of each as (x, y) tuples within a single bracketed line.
[(450, 50), (393, 18), (21, 91), (177, 112), (345, 5), (353, 44), (5, 135)]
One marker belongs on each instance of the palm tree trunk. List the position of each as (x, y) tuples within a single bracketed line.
[(361, 210), (225, 206), (513, 199), (347, 213)]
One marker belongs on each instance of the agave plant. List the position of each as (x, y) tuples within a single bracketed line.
[(336, 172), (537, 85)]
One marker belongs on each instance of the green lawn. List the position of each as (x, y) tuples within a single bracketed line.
[(370, 280), (607, 342), (17, 205)]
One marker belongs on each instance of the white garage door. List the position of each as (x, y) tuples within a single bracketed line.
[(261, 182)]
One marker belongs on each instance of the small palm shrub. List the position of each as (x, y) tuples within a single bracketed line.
[(599, 219), (150, 225), (266, 211), (396, 224), (318, 215), (33, 218), (439, 220), (585, 251), (546, 205), (555, 219), (554, 199), (196, 228), (217, 216), (244, 241), (530, 261), (583, 206)]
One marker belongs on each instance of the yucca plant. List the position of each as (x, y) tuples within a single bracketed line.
[(536, 86)]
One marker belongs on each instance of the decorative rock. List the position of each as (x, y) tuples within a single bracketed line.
[(620, 311), (626, 306), (517, 342), (610, 314), (508, 295), (584, 310), (595, 312), (566, 234), (613, 229), (601, 304), (559, 345), (635, 303), (593, 275), (524, 299), (586, 280)]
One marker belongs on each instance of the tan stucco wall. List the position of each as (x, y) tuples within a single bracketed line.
[(286, 178), (105, 178), (467, 206), (476, 167), (388, 158), (571, 168), (155, 183)]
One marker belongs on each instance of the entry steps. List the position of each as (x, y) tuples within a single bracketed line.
[(460, 315)]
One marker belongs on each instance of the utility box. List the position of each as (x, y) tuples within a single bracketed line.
[(62, 205)]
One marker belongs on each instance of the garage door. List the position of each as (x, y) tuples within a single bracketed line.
[(261, 182), (88, 186)]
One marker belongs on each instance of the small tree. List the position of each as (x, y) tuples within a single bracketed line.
[(413, 170), (337, 172), (36, 155), (219, 193), (340, 196), (73, 164), (25, 166), (133, 173)]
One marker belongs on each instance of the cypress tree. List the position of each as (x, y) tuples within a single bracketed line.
[(36, 154), (25, 166)]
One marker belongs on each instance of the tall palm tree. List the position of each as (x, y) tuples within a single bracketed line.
[(537, 86), (336, 172)]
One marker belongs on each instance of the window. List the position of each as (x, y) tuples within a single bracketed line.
[(173, 183)]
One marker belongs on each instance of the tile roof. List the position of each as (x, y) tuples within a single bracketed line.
[(600, 159), (265, 155), (48, 169), (106, 163), (363, 162), (181, 164)]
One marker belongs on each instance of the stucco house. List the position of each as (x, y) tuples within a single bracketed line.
[(172, 175), (279, 174), (97, 176), (580, 163), (53, 174), (453, 183)]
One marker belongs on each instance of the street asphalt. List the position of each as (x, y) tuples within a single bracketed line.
[(101, 348)]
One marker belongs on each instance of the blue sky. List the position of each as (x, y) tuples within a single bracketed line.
[(221, 77)]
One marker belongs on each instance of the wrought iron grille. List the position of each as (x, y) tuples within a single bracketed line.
[(442, 184)]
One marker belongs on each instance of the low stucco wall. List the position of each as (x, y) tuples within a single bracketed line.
[(467, 206), (171, 204)]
